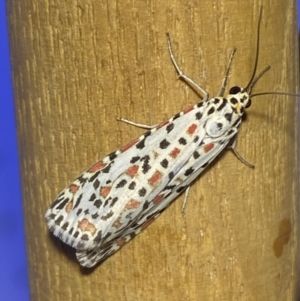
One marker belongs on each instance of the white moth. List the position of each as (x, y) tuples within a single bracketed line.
[(119, 196)]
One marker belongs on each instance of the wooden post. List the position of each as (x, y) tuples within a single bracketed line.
[(78, 65)]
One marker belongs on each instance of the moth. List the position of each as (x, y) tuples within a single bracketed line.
[(119, 196)]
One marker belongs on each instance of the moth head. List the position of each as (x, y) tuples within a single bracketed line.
[(239, 99)]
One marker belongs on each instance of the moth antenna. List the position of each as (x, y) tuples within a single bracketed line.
[(254, 81), (250, 84), (275, 93), (254, 78)]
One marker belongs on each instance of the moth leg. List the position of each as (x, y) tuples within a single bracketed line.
[(233, 148), (186, 194), (140, 125), (180, 72), (224, 82)]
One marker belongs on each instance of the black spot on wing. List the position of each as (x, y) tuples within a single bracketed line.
[(114, 200), (196, 139), (164, 163), (84, 237), (92, 198), (205, 164), (94, 176), (132, 185), (141, 144), (77, 202), (182, 141), (146, 205), (142, 192), (112, 156), (95, 215), (146, 167), (98, 237), (148, 133), (59, 220), (65, 226), (106, 202), (164, 144), (107, 216), (176, 116), (81, 179), (108, 234), (170, 127), (106, 169), (171, 175), (50, 217), (170, 187), (134, 159), (96, 184), (98, 203), (196, 155), (180, 189), (198, 115), (211, 111), (189, 171), (61, 204), (121, 184)]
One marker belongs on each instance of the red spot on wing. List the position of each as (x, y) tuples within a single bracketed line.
[(192, 128), (147, 223), (82, 224), (117, 224), (121, 241), (155, 179), (69, 207), (162, 124), (188, 110), (175, 152), (158, 198), (91, 228), (129, 145), (208, 147), (132, 170), (104, 191), (73, 188), (133, 204), (85, 225), (99, 165)]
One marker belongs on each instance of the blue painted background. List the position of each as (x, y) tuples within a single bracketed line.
[(13, 271)]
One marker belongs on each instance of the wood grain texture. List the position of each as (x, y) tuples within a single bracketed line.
[(78, 65)]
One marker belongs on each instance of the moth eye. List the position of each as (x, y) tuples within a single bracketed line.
[(235, 90), (248, 104)]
